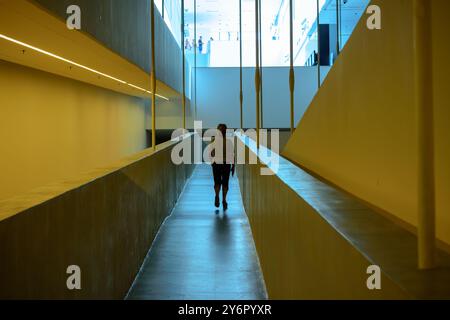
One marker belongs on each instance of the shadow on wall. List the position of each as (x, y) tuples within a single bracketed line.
[(162, 135)]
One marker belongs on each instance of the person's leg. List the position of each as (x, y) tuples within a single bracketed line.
[(217, 198), (224, 197), (217, 183), (225, 182)]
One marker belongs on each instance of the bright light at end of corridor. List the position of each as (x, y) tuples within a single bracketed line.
[(2, 36)]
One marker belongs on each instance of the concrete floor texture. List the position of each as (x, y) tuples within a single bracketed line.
[(202, 252)]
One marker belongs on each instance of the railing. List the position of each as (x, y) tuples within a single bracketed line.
[(104, 223), (317, 242)]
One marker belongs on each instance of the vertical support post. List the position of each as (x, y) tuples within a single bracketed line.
[(318, 44), (261, 71), (153, 73), (195, 59), (424, 107), (257, 73), (183, 98), (241, 95), (338, 23), (291, 70), (341, 43)]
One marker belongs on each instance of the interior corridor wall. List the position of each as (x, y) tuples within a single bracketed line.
[(124, 27), (218, 95), (360, 131), (53, 128), (169, 114)]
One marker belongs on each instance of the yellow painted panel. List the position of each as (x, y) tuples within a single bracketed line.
[(360, 130), (302, 255), (54, 128), (441, 69)]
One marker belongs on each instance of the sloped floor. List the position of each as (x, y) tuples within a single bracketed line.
[(202, 253)]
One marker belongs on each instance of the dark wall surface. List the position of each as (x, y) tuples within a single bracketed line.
[(124, 27), (105, 227)]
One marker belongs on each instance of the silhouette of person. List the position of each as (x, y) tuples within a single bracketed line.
[(200, 45), (208, 46), (223, 164), (187, 45)]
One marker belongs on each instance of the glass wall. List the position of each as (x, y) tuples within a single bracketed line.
[(172, 17), (158, 4), (350, 12), (171, 11), (218, 27), (305, 32)]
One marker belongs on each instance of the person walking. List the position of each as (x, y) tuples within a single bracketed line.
[(208, 46), (200, 45), (187, 45), (223, 164)]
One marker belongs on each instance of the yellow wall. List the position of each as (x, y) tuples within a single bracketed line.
[(169, 114), (53, 128), (360, 130), (441, 74)]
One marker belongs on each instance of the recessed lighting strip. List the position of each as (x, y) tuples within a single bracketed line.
[(2, 36)]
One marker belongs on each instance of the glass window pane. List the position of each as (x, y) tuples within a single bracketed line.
[(218, 25), (305, 32), (158, 4), (328, 35), (350, 12)]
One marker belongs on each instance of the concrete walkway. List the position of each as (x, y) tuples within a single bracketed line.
[(201, 252)]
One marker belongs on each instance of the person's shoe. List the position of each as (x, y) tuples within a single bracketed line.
[(217, 202), (225, 205)]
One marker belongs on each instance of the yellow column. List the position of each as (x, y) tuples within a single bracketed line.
[(153, 74), (424, 108), (261, 70), (291, 71), (257, 73)]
